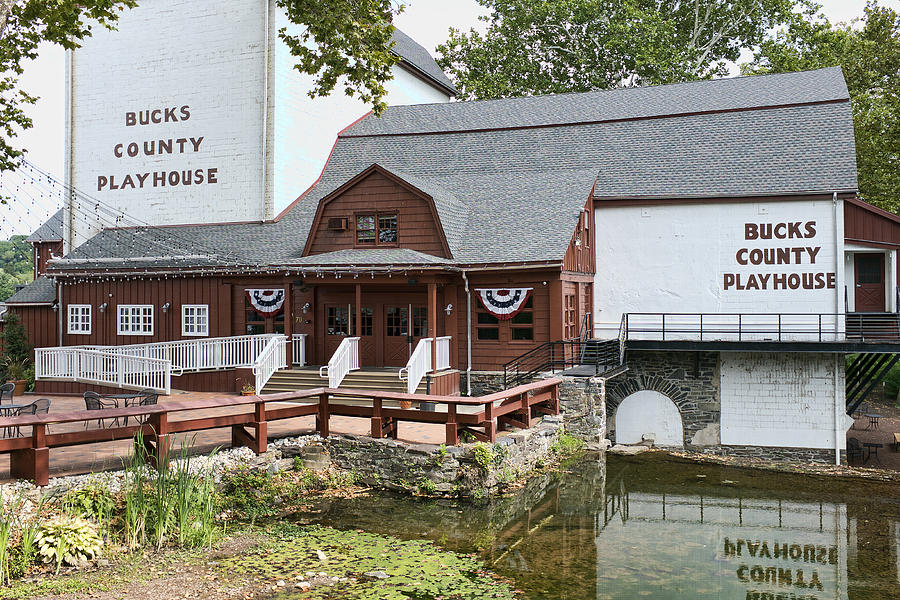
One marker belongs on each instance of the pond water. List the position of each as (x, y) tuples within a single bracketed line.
[(655, 527)]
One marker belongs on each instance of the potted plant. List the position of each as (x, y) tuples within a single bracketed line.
[(248, 390), (15, 372)]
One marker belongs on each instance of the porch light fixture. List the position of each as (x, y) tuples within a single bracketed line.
[(449, 309), (305, 308), (165, 307), (103, 307)]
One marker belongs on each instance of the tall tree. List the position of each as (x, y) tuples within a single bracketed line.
[(341, 41), (868, 50), (553, 46)]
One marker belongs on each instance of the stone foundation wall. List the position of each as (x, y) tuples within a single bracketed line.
[(804, 455), (689, 379), (470, 470), (583, 408), (483, 382)]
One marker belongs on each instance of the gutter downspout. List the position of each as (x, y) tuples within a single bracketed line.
[(59, 313), (468, 335), (837, 310)]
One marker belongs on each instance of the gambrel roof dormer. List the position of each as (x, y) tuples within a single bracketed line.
[(378, 209)]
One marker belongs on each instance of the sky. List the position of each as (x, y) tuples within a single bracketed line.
[(425, 20)]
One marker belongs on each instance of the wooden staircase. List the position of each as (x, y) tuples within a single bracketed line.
[(306, 378)]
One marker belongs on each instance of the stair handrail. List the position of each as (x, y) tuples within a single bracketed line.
[(417, 366), (344, 360), (623, 338), (272, 358)]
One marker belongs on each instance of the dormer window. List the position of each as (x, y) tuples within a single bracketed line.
[(378, 229)]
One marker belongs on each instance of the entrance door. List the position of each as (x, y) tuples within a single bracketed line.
[(337, 327), (340, 322), (869, 268), (404, 326)]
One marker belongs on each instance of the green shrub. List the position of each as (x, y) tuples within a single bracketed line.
[(567, 445), (67, 540), (251, 494), (484, 456), (427, 487), (298, 463)]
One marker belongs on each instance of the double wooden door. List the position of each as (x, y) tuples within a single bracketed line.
[(404, 326), (388, 333)]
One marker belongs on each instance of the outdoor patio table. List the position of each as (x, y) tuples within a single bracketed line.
[(873, 420), (872, 448), (131, 399)]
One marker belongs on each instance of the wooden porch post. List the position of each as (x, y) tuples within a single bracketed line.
[(432, 323), (358, 328)]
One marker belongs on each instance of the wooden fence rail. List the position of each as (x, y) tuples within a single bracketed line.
[(480, 417)]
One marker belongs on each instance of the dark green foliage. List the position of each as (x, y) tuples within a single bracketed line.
[(16, 265), (556, 46), (351, 42), (16, 349), (869, 54)]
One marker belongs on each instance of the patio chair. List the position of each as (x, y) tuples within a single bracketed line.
[(854, 449), (28, 409), (147, 397), (6, 391), (93, 401)]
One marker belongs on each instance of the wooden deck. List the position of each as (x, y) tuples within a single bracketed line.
[(151, 426)]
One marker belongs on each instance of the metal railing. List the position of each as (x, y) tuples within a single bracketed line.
[(104, 368), (419, 363), (271, 359), (344, 360), (762, 327), (550, 357)]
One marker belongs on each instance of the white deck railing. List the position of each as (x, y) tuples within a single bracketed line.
[(298, 349), (419, 363), (182, 356), (272, 358), (344, 360), (103, 368)]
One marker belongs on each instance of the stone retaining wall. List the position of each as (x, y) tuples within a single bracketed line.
[(470, 470)]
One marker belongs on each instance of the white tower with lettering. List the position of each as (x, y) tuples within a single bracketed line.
[(192, 113)]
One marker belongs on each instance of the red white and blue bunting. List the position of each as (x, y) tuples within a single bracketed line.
[(266, 302), (504, 303)]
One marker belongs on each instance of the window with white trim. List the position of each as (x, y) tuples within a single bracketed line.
[(135, 319), (80, 319), (195, 319)]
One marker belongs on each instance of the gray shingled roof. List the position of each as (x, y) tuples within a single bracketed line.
[(40, 291), (510, 177), (734, 93), (414, 55), (50, 231), (372, 256)]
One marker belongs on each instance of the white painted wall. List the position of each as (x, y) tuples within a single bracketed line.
[(263, 135), (305, 130), (673, 258), (208, 56), (782, 400), (649, 412)]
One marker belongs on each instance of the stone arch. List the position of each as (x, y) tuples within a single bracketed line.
[(636, 382), (649, 411)]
